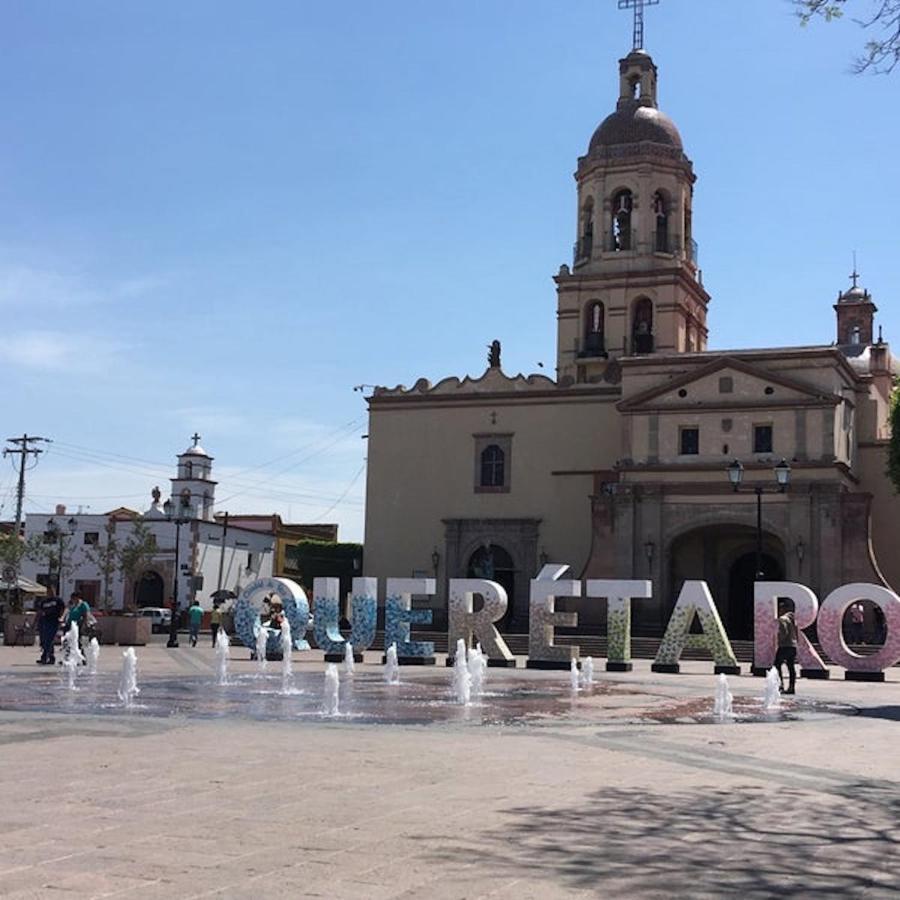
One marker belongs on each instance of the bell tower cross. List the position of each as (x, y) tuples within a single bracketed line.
[(638, 7)]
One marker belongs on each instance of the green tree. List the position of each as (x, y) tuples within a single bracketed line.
[(882, 51), (135, 554), (893, 455), (106, 557)]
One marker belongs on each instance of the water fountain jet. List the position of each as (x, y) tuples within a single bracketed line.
[(128, 687), (587, 670), (772, 695), (262, 643), (287, 669), (223, 648), (722, 703), (574, 677), (462, 680), (391, 666), (331, 706)]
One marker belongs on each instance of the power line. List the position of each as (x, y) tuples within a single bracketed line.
[(346, 491)]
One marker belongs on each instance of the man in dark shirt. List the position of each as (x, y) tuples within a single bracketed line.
[(50, 611)]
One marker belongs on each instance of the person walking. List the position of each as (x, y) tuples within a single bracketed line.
[(50, 611), (215, 621), (195, 615), (787, 646)]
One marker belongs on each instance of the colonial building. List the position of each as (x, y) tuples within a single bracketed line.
[(618, 466), (212, 555)]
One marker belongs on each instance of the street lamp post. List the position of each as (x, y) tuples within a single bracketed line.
[(60, 535), (180, 517), (782, 481)]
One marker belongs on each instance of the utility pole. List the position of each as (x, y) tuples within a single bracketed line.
[(23, 449), (222, 553)]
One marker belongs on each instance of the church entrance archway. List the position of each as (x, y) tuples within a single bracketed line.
[(741, 576), (724, 556), (492, 562), (150, 589)]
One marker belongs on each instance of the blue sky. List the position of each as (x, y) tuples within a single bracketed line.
[(222, 216)]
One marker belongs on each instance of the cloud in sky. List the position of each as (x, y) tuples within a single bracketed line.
[(58, 351), (49, 285)]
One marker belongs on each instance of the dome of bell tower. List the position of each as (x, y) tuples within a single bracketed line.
[(637, 118)]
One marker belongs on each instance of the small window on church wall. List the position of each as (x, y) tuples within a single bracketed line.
[(622, 205), (661, 214), (188, 469), (493, 461), (762, 438), (689, 441)]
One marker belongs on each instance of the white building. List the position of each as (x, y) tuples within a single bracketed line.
[(212, 555)]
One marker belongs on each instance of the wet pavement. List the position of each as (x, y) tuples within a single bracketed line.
[(421, 698)]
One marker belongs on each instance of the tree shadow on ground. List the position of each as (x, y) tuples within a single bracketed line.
[(891, 713), (749, 841)]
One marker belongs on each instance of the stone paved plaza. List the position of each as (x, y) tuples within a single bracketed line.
[(623, 790)]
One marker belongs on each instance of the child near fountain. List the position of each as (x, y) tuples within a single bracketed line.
[(787, 645)]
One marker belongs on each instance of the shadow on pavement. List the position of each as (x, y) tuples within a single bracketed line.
[(749, 841)]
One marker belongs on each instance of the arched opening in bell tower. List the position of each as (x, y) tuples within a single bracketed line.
[(642, 326), (622, 205), (661, 219), (594, 329)]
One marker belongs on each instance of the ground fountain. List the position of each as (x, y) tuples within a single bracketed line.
[(574, 677), (262, 643), (72, 657), (128, 688), (331, 704), (587, 670), (462, 680), (477, 665), (349, 664), (722, 703), (223, 649), (391, 666), (287, 668), (93, 656), (772, 695)]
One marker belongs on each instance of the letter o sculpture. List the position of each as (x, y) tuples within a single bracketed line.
[(249, 605), (831, 634)]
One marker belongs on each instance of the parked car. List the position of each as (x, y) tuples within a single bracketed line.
[(160, 619)]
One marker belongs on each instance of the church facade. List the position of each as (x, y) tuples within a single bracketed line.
[(620, 465)]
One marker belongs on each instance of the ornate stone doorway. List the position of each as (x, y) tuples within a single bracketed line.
[(494, 563), (514, 544)]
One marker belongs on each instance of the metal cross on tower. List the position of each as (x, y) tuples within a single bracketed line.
[(195, 438), (638, 7)]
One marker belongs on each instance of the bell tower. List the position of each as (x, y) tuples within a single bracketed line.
[(634, 287)]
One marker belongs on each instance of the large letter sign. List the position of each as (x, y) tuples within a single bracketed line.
[(831, 634), (766, 595), (326, 617), (248, 606), (619, 595), (463, 621), (695, 599), (543, 618), (399, 615)]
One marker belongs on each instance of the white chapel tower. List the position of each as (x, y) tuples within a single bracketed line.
[(634, 287), (193, 485)]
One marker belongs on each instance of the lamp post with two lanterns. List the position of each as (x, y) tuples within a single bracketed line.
[(782, 482), (180, 514)]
